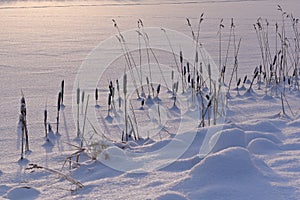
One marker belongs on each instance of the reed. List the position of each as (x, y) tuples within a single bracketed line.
[(125, 105), (85, 117), (96, 96), (136, 134), (82, 101), (58, 110), (23, 122), (78, 103), (129, 60), (45, 121), (62, 91)]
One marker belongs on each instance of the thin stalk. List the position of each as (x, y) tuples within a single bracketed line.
[(85, 114)]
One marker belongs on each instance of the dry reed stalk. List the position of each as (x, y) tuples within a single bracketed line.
[(82, 101), (96, 95), (135, 121), (23, 122), (125, 105), (128, 57), (62, 91), (78, 102), (60, 174), (58, 110), (85, 114), (45, 121)]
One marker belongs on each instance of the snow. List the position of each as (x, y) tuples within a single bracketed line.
[(252, 153)]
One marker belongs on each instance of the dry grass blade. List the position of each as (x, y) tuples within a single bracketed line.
[(60, 174)]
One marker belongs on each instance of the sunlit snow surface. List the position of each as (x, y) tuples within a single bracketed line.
[(42, 42)]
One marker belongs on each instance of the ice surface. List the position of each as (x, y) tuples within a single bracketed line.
[(257, 155)]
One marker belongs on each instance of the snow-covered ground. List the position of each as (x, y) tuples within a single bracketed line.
[(255, 153)]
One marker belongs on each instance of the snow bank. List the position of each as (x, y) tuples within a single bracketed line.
[(227, 138), (250, 135), (228, 174), (260, 125), (171, 195), (262, 146)]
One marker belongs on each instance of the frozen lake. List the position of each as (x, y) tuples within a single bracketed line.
[(44, 42)]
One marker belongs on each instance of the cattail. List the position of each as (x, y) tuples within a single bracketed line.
[(118, 86), (254, 77), (62, 90), (158, 89), (183, 71), (96, 95), (238, 83), (198, 78), (275, 59), (23, 106), (82, 97), (59, 101), (143, 103), (58, 109), (108, 103), (245, 79), (78, 96), (45, 122), (260, 69), (209, 103), (24, 127)]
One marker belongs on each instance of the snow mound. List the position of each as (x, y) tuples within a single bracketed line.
[(228, 164), (171, 195), (295, 123), (262, 146), (251, 135), (228, 174), (227, 138), (259, 125), (182, 164), (23, 193)]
